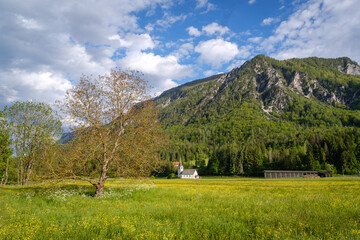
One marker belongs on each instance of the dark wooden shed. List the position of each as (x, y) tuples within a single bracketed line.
[(294, 174)]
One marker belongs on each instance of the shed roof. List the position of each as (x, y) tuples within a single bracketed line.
[(287, 171), (188, 171)]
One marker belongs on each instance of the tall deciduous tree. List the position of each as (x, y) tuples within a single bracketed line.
[(115, 126), (33, 125), (5, 149)]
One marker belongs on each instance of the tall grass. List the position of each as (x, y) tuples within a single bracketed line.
[(233, 208)]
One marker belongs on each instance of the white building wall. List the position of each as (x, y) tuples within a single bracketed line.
[(189, 176)]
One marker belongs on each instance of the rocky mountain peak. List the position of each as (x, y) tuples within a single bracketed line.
[(270, 84)]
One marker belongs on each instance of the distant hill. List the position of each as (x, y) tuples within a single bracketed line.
[(290, 114)]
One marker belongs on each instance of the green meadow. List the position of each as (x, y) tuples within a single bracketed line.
[(207, 208)]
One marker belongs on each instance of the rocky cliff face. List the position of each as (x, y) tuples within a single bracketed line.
[(349, 67), (271, 84)]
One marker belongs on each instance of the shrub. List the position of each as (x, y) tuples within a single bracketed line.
[(171, 176)]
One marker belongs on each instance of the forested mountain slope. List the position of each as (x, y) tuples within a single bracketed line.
[(290, 114)]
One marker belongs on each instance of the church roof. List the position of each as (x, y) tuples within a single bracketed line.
[(188, 171)]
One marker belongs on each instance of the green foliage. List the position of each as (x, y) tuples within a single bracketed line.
[(5, 150), (171, 176), (32, 127), (330, 168)]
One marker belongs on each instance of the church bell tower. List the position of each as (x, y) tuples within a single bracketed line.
[(180, 169)]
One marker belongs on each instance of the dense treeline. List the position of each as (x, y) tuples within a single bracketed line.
[(218, 151)]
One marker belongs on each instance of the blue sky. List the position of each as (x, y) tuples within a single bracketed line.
[(45, 46)]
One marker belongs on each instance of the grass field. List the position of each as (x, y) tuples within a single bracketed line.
[(213, 208)]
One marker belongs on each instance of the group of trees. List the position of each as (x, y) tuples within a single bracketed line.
[(220, 150), (27, 129), (116, 132)]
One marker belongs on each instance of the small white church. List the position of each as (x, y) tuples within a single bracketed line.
[(186, 173)]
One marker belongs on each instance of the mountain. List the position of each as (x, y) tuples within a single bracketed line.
[(290, 114)]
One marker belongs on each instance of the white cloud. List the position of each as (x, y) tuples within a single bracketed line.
[(28, 23), (255, 39), (152, 64), (209, 73), (193, 31), (324, 28), (169, 20), (135, 42), (41, 86), (201, 3), (210, 29), (184, 51), (215, 28), (251, 1), (47, 45), (244, 51), (205, 4), (161, 71), (269, 21), (216, 51), (235, 64)]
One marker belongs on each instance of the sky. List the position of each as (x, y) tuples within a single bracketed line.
[(46, 46)]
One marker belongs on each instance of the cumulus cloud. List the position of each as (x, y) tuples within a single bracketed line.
[(167, 21), (209, 73), (269, 21), (46, 46), (28, 23), (235, 64), (41, 86), (215, 28), (193, 31), (324, 28), (244, 51), (134, 42), (255, 39), (216, 51), (159, 70), (156, 65), (205, 4), (210, 29), (184, 51)]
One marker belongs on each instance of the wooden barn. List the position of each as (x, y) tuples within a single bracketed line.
[(295, 174)]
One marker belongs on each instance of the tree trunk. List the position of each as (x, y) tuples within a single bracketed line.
[(4, 181), (21, 171), (27, 176), (100, 186), (5, 173), (99, 190), (18, 171), (28, 170)]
